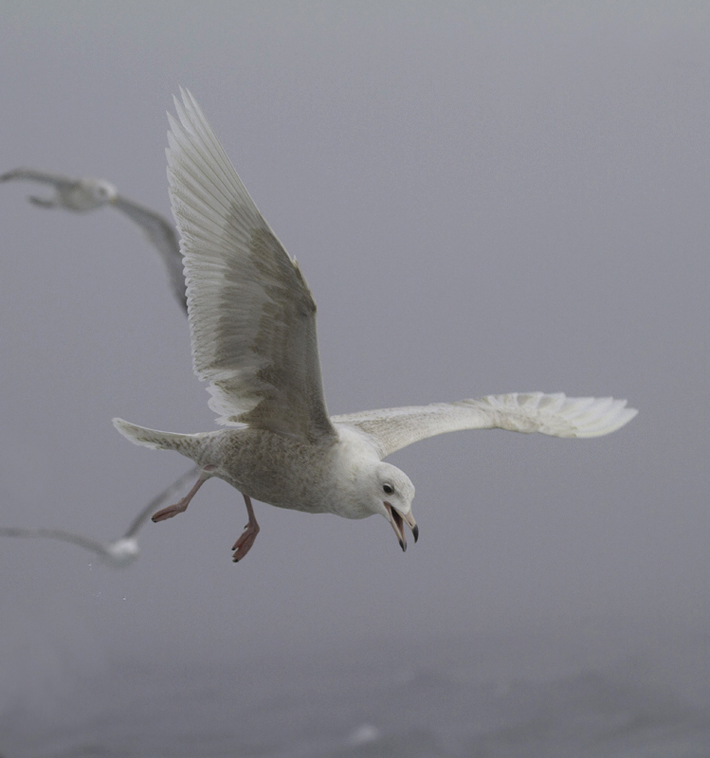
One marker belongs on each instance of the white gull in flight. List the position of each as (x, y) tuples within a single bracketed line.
[(87, 194), (253, 330), (121, 552)]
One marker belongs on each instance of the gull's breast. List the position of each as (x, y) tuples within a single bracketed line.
[(273, 468)]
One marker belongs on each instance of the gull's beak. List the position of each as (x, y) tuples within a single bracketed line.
[(398, 521), (412, 524)]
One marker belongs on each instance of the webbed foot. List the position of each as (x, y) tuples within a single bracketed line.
[(242, 546)]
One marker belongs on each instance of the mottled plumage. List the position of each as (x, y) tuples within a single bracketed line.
[(252, 322)]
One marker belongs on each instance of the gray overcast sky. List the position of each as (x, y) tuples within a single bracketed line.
[(484, 197)]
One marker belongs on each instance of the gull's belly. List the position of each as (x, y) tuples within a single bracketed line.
[(274, 469)]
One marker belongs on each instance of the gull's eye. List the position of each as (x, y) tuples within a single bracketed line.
[(388, 489)]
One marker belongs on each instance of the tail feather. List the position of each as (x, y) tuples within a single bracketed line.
[(158, 440)]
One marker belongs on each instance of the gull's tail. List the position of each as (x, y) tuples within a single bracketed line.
[(187, 444)]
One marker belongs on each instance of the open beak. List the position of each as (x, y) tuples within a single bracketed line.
[(398, 521)]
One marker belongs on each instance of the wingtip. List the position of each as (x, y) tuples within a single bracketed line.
[(627, 415), (606, 416)]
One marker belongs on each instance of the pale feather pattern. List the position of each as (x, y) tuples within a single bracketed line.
[(252, 315), (391, 429)]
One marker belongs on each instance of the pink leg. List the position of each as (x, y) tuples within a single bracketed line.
[(180, 506), (242, 546)]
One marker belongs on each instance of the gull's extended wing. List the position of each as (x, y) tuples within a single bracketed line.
[(252, 315), (391, 429)]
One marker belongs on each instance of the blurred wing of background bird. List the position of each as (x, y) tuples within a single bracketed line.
[(75, 194), (107, 550)]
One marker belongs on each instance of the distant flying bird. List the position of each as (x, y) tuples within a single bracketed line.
[(120, 552), (87, 194), (253, 331)]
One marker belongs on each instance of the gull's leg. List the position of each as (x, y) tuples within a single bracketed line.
[(246, 540), (181, 505)]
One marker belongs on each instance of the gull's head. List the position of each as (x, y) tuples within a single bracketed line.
[(391, 493), (99, 191), (121, 552)]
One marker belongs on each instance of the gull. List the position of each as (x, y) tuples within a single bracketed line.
[(253, 333), (87, 194), (121, 552)]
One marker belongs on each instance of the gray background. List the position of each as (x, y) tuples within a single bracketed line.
[(484, 197)]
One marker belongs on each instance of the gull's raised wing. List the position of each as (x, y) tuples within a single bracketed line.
[(161, 234), (392, 429), (252, 315)]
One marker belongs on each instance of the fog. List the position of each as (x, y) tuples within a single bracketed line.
[(484, 198)]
